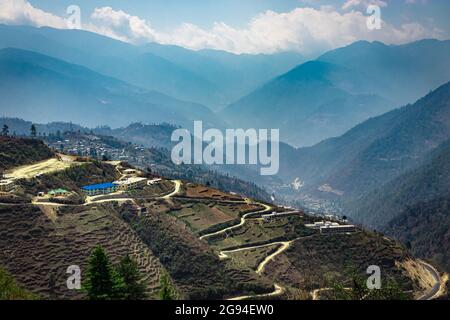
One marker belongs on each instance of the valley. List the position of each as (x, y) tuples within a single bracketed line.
[(137, 143), (236, 247)]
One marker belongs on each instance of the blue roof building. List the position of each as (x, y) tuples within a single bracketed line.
[(101, 188)]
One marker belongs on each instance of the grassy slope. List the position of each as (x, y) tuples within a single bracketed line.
[(16, 152), (10, 290), (317, 261), (193, 266)]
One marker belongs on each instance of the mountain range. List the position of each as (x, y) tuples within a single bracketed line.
[(328, 96), (308, 101), (212, 78), (414, 207), (374, 151), (43, 89)]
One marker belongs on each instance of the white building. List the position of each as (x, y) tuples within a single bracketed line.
[(331, 227), (154, 181), (131, 183), (6, 185), (130, 171), (338, 229)]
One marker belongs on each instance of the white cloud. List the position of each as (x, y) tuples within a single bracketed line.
[(21, 12), (306, 30), (121, 25)]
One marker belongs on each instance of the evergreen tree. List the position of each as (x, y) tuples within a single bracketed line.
[(5, 130), (93, 153), (167, 291), (52, 286), (132, 288), (101, 281), (33, 130)]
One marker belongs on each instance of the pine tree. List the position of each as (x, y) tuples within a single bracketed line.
[(132, 288), (52, 286), (167, 291), (33, 130), (101, 280), (5, 130)]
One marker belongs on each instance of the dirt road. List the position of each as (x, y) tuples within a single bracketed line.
[(36, 169)]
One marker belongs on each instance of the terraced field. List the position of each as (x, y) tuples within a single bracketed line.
[(152, 191), (196, 270), (201, 216), (317, 262), (192, 190), (258, 231), (37, 250), (252, 258)]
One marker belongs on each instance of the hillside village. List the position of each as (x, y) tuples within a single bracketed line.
[(136, 161), (91, 145), (55, 208)]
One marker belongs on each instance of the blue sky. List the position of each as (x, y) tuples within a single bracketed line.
[(242, 26), (170, 13)]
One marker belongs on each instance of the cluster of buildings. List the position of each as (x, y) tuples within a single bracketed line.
[(58, 193), (124, 184), (329, 227), (6, 185), (54, 193), (90, 145)]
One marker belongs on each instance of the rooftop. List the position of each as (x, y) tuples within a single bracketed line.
[(129, 180), (58, 191), (99, 186)]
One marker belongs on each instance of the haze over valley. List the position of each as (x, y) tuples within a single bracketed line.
[(87, 171)]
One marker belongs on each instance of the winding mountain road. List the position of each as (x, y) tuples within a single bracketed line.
[(177, 189), (241, 223), (435, 290), (279, 290)]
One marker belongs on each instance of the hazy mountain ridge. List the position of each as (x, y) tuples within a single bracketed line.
[(415, 208), (403, 73), (43, 89), (375, 151), (209, 77), (388, 74), (428, 182)]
